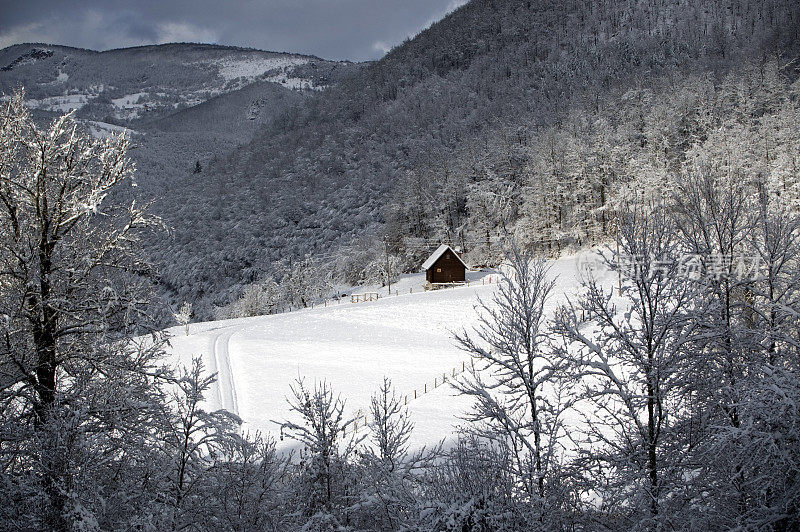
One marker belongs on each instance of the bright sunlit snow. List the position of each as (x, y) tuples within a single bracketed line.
[(407, 337)]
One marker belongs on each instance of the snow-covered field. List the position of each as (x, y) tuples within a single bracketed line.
[(407, 337), (60, 104), (130, 101), (250, 68), (102, 130)]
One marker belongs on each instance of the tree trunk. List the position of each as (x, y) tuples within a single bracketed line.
[(44, 321), (652, 464)]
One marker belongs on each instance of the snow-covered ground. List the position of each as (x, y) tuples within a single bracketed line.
[(250, 67), (130, 101), (352, 346), (287, 80), (102, 130), (131, 106), (60, 104), (277, 70)]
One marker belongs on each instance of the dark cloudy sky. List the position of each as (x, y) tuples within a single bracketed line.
[(333, 29)]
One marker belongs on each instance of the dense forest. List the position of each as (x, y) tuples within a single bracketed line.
[(520, 118)]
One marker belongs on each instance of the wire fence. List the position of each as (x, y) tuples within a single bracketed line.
[(375, 296), (361, 420)]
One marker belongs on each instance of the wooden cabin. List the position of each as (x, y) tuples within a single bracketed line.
[(445, 266)]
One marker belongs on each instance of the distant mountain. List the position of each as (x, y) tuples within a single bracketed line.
[(132, 86)]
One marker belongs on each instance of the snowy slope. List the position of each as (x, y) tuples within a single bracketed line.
[(103, 130), (148, 83), (352, 346)]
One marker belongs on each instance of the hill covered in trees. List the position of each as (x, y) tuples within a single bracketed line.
[(135, 86), (529, 117), (184, 105), (535, 118)]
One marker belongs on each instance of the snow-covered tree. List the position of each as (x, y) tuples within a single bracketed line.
[(184, 316), (511, 382), (321, 431), (386, 496), (389, 425), (626, 357), (744, 350), (247, 486), (258, 299), (303, 283), (193, 436), (383, 267), (472, 487), (73, 296)]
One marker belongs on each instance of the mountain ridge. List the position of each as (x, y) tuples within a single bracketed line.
[(181, 44), (137, 85)]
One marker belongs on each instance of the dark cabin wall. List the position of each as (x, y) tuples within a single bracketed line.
[(452, 270)]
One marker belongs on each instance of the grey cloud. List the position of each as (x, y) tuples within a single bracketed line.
[(334, 29)]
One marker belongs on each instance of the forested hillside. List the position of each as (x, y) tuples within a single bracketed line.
[(532, 118), (529, 117), (134, 86), (184, 105)]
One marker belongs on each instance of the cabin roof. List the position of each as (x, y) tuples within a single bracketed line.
[(437, 255)]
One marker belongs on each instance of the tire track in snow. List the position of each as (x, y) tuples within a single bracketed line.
[(226, 389), (213, 366)]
